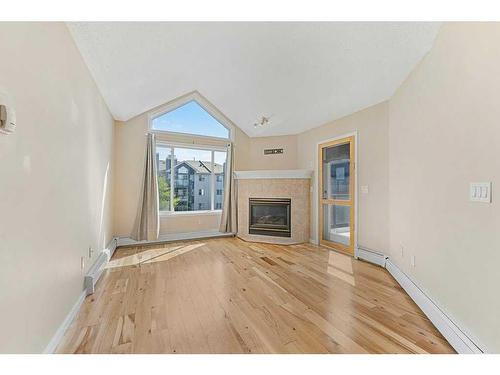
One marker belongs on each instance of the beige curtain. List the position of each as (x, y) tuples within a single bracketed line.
[(229, 220), (147, 222)]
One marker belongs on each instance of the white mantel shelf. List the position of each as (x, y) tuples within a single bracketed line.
[(275, 174)]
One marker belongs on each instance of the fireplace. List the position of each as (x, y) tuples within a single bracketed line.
[(270, 216)]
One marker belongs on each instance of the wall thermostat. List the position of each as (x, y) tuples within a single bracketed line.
[(7, 119), (7, 113)]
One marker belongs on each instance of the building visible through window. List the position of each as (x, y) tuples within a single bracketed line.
[(191, 179)]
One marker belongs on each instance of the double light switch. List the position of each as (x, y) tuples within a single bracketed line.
[(480, 192)]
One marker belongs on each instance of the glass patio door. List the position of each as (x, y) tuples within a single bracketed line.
[(336, 184)]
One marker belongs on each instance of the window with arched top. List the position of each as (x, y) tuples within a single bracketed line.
[(192, 138), (192, 119), (191, 115)]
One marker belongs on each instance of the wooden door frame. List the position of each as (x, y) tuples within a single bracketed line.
[(354, 190)]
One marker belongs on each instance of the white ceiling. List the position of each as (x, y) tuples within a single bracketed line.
[(301, 74)]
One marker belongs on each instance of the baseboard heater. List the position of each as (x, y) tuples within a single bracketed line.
[(98, 267), (371, 256)]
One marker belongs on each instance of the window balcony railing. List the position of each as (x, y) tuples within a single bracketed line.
[(182, 183)]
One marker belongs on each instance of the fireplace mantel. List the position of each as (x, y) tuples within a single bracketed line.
[(273, 174)]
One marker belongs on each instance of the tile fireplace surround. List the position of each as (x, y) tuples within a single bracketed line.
[(293, 184)]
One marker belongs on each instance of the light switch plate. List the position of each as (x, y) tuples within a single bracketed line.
[(364, 189), (480, 192)]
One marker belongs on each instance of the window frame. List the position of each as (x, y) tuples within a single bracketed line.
[(203, 103), (212, 149)]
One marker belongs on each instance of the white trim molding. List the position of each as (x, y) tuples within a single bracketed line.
[(127, 241), (92, 276), (456, 336), (273, 174), (56, 339)]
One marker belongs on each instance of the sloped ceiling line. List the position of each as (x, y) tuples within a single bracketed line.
[(303, 74)]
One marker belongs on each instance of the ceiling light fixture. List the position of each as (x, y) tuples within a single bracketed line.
[(263, 121)]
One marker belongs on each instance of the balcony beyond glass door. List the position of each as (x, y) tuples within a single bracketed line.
[(336, 172), (337, 194), (336, 224)]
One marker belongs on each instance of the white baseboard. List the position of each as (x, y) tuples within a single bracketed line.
[(94, 271), (313, 241), (371, 256), (456, 336), (56, 339), (127, 241), (461, 342)]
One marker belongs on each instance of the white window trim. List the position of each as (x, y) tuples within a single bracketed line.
[(190, 213), (212, 149), (204, 103)]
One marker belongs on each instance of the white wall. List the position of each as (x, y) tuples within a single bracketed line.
[(55, 181), (444, 133)]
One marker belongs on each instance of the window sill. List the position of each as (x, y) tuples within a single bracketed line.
[(190, 213)]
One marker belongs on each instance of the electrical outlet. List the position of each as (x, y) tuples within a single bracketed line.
[(412, 261), (82, 263), (402, 248), (91, 252)]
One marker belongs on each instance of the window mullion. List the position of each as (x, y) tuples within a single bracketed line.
[(212, 182), (172, 179)]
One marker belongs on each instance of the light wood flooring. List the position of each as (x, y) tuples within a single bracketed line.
[(230, 296)]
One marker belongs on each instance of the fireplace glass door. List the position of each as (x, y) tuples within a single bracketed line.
[(270, 216)]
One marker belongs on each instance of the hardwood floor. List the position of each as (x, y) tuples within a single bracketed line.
[(229, 296)]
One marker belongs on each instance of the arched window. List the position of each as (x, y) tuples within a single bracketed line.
[(190, 118), (191, 115), (192, 138)]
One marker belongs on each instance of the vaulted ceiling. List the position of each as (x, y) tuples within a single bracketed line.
[(301, 74)]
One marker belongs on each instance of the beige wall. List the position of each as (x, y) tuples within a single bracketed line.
[(371, 126), (417, 155), (130, 143), (258, 161), (55, 181), (444, 134)]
